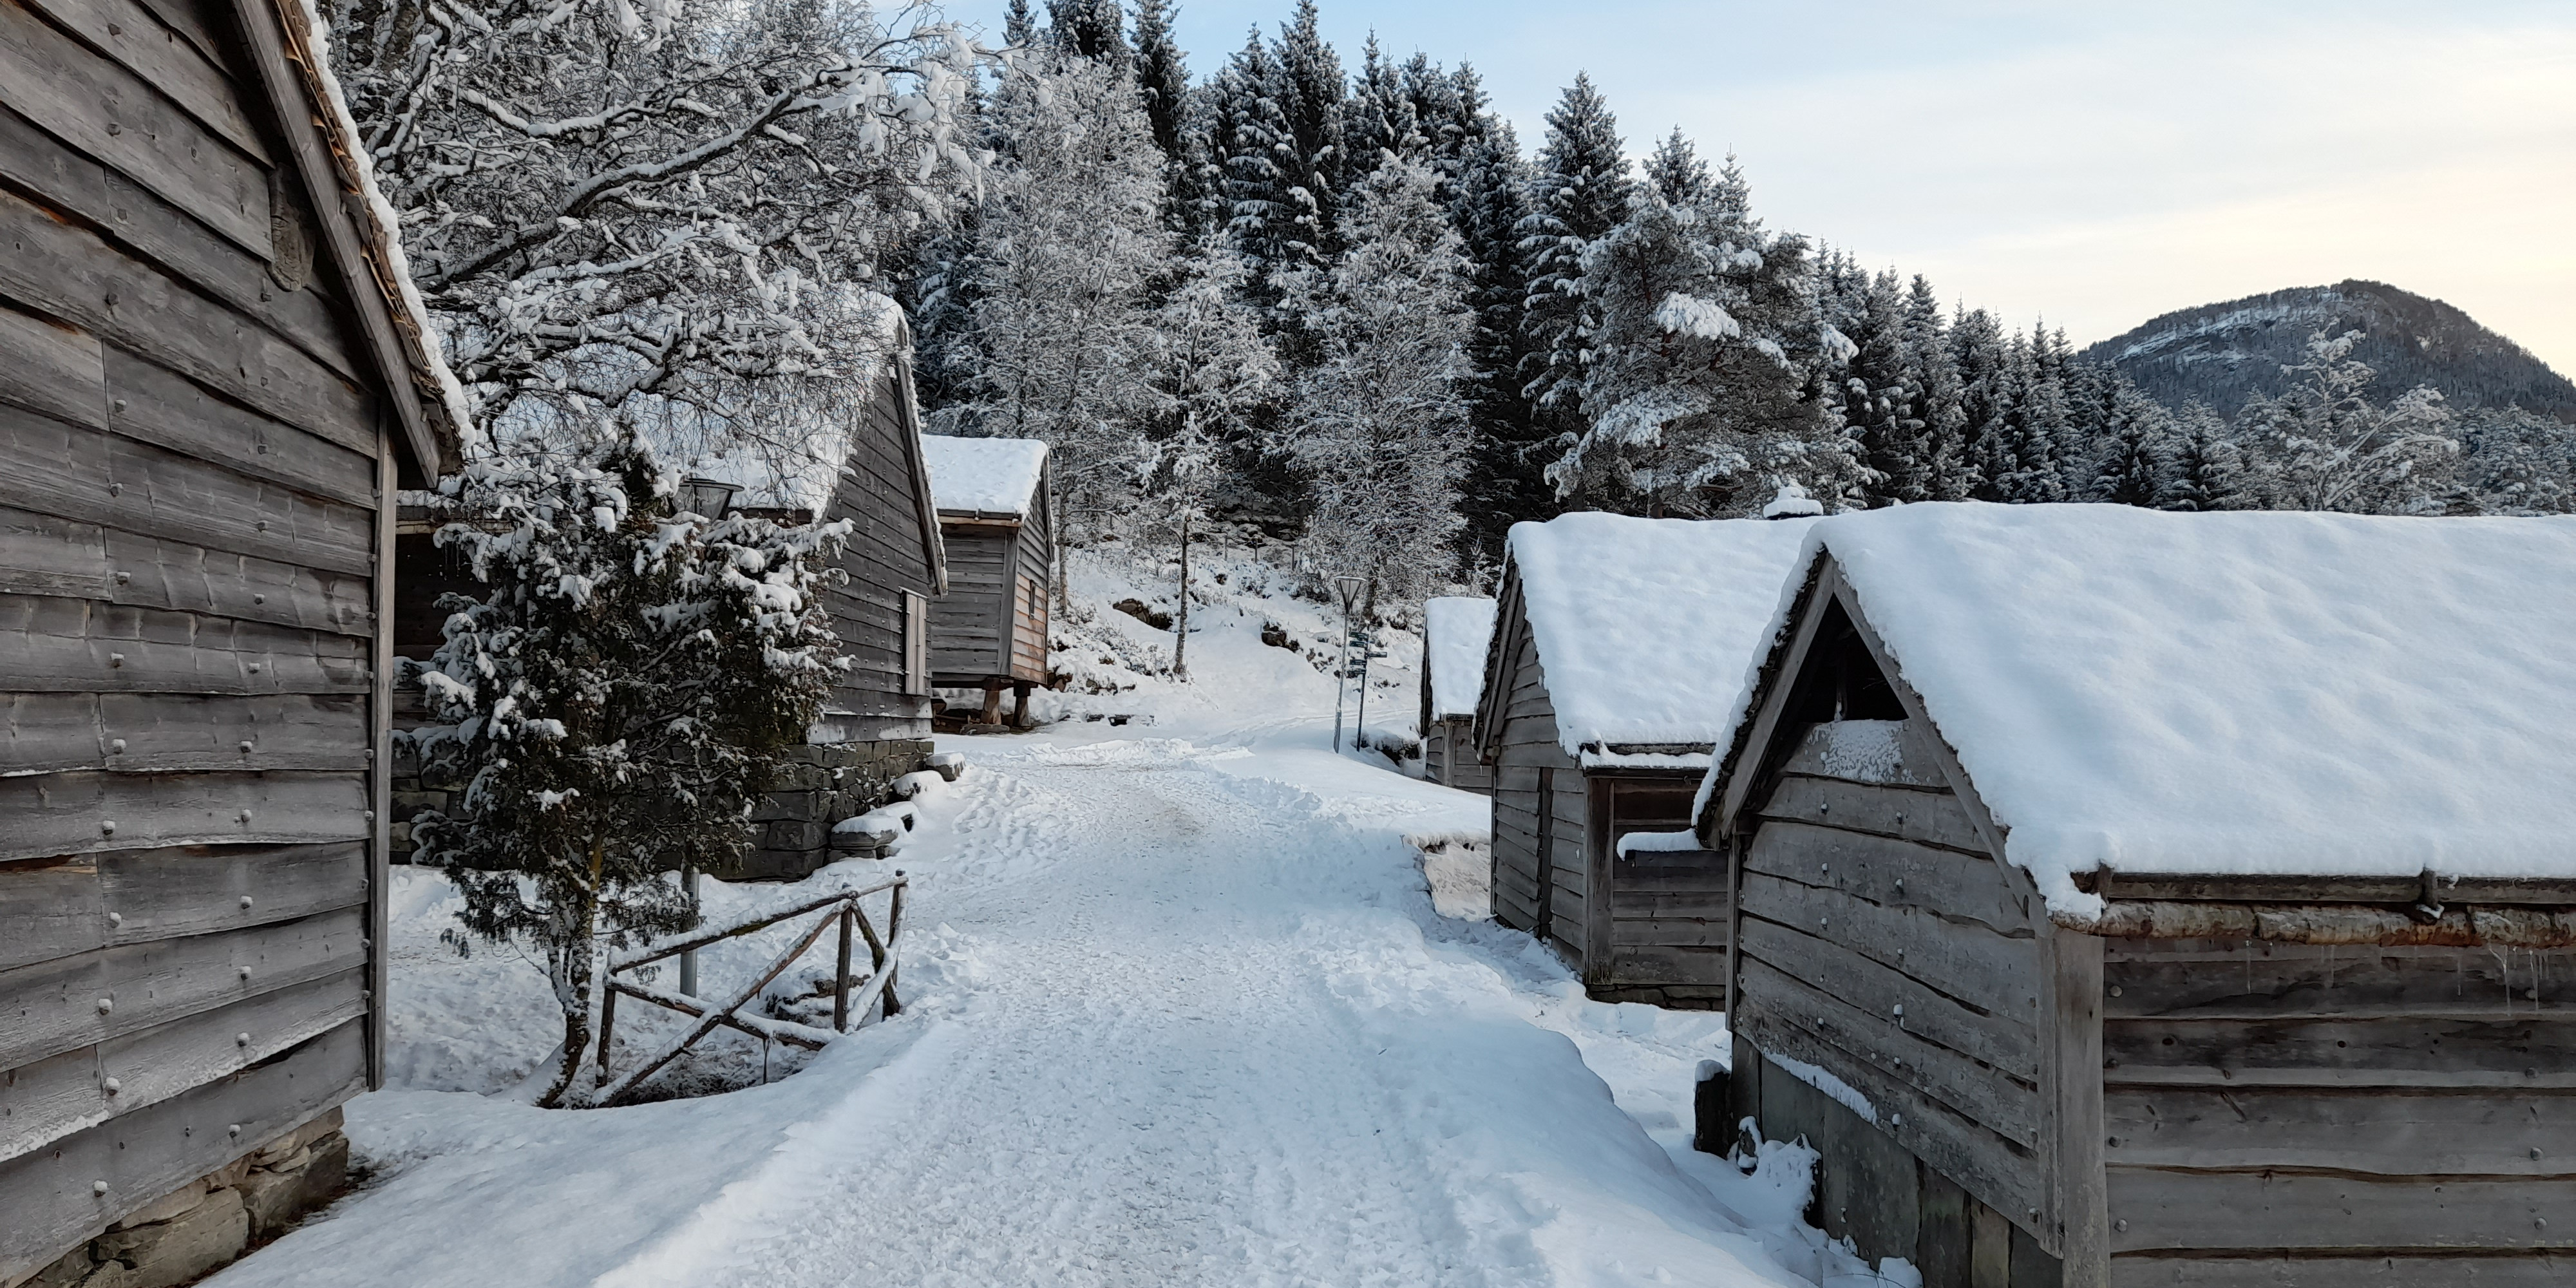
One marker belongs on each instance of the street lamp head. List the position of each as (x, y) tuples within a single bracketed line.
[(706, 496)]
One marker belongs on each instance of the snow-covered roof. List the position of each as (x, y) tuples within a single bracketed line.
[(440, 397), (2282, 693), (1455, 632), (1648, 628), (985, 475)]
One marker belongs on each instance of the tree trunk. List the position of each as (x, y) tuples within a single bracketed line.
[(573, 990), (1181, 628)]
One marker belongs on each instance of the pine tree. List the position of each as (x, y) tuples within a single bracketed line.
[(1445, 108), (1986, 394), (1163, 79), (1489, 200), (1310, 91), (1940, 404), (1019, 25), (2135, 462), (1093, 29), (616, 700), (2035, 434), (1378, 120), (1880, 388), (1381, 419), (1677, 174), (1579, 193), (2204, 470), (1246, 129)]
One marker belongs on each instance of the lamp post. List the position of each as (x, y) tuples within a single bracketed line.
[(707, 497), (1349, 589)]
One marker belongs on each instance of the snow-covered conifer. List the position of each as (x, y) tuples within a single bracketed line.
[(1377, 119), (2321, 444), (1578, 193), (2134, 464), (615, 702), (1677, 174), (1380, 420), (1093, 29), (2204, 469), (1986, 393), (2517, 462), (1489, 198), (1940, 404)]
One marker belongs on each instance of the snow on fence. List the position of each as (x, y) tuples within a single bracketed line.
[(849, 996)]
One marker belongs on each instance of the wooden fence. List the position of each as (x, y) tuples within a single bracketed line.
[(849, 997)]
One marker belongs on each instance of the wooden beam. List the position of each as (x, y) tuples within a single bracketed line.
[(2078, 1232)]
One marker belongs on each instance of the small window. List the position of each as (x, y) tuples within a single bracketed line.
[(916, 644)]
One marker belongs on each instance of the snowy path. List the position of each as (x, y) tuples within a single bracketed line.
[(1178, 1022)]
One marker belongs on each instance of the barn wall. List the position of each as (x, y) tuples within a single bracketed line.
[(1033, 590), (1668, 909), (1878, 941), (1533, 779), (1449, 756), (877, 493), (191, 456), (970, 625), (2295, 1114)]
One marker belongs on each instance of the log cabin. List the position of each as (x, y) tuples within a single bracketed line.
[(1619, 646), (1457, 633), (213, 381), (996, 516), (2143, 899), (875, 727)]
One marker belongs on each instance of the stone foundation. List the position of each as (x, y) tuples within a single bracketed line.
[(210, 1221)]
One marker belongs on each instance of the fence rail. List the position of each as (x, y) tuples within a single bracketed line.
[(849, 996)]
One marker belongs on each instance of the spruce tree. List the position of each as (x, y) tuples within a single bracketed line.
[(1019, 25), (1445, 108), (1378, 120), (1310, 90), (1983, 359), (1093, 29), (1245, 130), (2134, 464), (1580, 193), (1489, 199), (1879, 391), (1677, 174), (1162, 77), (2205, 470), (1940, 403)]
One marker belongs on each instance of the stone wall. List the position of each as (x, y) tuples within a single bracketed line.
[(823, 784), (214, 1219)]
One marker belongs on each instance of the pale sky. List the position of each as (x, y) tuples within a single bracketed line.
[(2094, 164)]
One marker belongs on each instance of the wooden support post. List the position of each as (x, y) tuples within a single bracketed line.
[(992, 714), (894, 936), (607, 1027), (841, 979), (1020, 705)]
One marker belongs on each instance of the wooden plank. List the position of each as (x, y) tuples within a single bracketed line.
[(84, 811), (1893, 873), (42, 554), (2078, 1234), (1965, 960), (1677, 932), (1992, 1169), (52, 908), (156, 572), (155, 406), (1932, 817), (1913, 766), (2376, 1131), (73, 275), (1600, 895), (158, 57), (2156, 1208), (167, 236), (45, 732), (1977, 1093), (1945, 1232), (1637, 965), (2511, 1270), (51, 368), (178, 891), (54, 1006), (72, 645), (71, 1092), (2249, 979), (2527, 1053), (144, 1155), (2006, 1041), (114, 115)]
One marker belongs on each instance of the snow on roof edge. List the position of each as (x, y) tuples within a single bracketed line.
[(1457, 633), (984, 475)]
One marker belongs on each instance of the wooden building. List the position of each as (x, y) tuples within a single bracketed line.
[(875, 727), (996, 514), (2150, 899), (211, 386), (1457, 633), (1619, 647)]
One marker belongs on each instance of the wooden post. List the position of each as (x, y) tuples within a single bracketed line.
[(841, 979), (1020, 705), (607, 1027), (2072, 1044), (894, 937), (992, 714)]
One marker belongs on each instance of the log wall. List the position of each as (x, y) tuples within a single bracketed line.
[(194, 441), (2297, 1114), (1877, 940)]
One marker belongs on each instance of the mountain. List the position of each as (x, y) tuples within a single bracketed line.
[(2224, 354)]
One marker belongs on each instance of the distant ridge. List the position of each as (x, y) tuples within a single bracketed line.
[(2225, 354)]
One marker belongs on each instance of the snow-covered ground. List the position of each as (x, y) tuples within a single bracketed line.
[(1180, 1009)]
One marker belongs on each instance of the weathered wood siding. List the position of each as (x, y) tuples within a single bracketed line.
[(880, 493), (1538, 797), (2296, 1114), (192, 453), (970, 626), (1880, 942), (1449, 755), (1668, 909)]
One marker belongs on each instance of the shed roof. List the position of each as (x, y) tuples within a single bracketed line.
[(992, 476), (2271, 693), (1456, 629), (435, 420), (1647, 629)]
